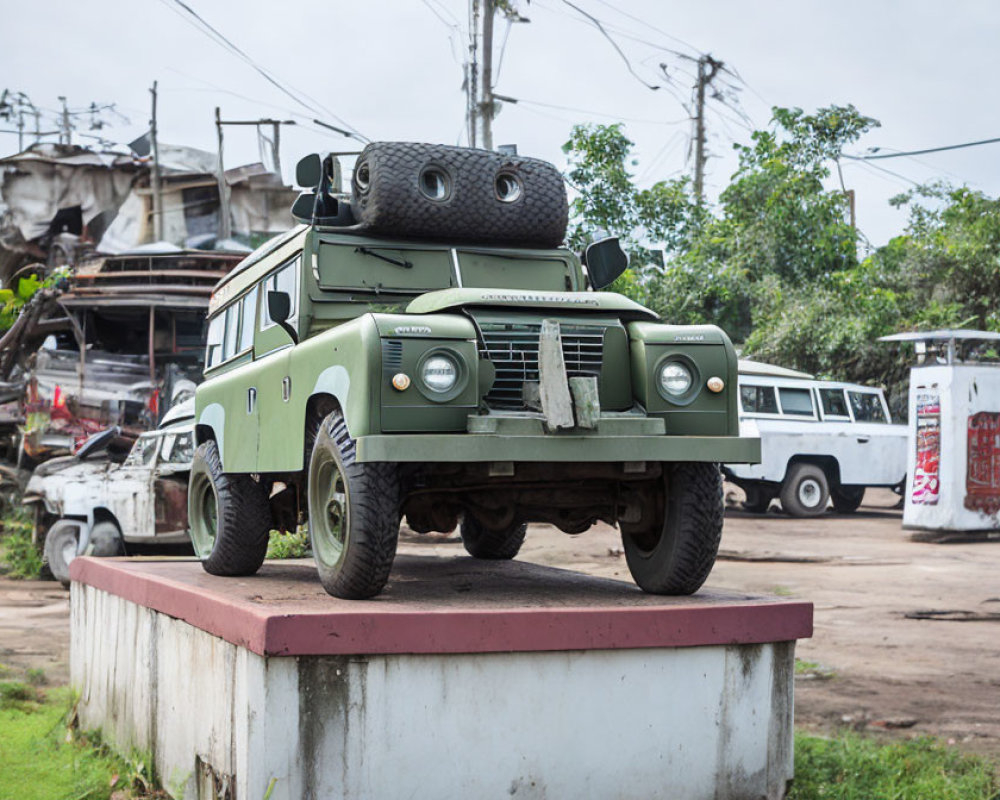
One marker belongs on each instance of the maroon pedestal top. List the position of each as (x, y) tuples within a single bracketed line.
[(441, 605)]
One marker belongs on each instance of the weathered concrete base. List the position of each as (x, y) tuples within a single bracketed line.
[(693, 719)]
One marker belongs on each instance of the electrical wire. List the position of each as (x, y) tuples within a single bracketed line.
[(215, 35), (900, 154), (504, 98)]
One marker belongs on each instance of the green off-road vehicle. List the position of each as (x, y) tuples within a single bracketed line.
[(425, 347)]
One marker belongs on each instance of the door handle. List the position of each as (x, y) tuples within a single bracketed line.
[(286, 388), (251, 399), (863, 439)]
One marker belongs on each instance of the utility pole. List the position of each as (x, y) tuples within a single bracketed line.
[(486, 106), (225, 226), (472, 80), (708, 68), (157, 196), (66, 130), (276, 146)]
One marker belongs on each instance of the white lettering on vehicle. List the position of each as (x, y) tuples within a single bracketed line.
[(402, 330), (540, 298)]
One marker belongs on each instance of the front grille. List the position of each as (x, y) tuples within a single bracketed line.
[(392, 357), (513, 349)]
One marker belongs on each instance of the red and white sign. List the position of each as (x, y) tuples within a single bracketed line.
[(927, 473), (982, 481)]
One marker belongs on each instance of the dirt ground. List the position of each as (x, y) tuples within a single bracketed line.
[(876, 670)]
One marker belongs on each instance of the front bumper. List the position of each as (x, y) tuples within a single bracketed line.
[(524, 439)]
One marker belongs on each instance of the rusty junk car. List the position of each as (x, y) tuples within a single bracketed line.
[(88, 504)]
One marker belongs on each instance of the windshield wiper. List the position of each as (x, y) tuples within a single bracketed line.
[(388, 259)]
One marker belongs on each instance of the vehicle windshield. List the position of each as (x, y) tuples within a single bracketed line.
[(142, 451), (407, 270)]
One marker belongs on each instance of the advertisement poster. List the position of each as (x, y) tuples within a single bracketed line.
[(927, 473), (982, 481)]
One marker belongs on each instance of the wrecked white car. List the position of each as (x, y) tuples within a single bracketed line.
[(87, 505)]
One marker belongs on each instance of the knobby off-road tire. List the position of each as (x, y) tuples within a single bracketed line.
[(353, 514), (409, 189), (847, 499), (228, 514), (480, 542), (675, 551), (805, 491)]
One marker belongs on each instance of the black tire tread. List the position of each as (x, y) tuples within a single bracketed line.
[(244, 517), (789, 490), (374, 520), (694, 491), (847, 499), (493, 545), (393, 204)]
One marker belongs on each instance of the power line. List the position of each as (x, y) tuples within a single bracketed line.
[(901, 154), (506, 99), (215, 35)]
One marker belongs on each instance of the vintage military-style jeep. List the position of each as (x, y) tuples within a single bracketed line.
[(427, 348)]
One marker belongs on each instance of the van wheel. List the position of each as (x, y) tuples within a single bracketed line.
[(805, 491), (846, 499), (62, 540), (758, 499), (228, 514), (353, 514), (501, 545), (673, 549)]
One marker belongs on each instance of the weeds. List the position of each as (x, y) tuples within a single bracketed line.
[(855, 768), (17, 551), (288, 545)]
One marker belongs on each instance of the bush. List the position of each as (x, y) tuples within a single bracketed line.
[(22, 558), (290, 544)]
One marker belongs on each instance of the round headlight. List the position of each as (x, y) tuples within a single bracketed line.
[(439, 373), (675, 378)]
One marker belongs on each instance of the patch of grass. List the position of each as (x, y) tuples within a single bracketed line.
[(288, 545), (810, 669), (782, 591), (852, 767), (14, 694), (16, 549), (43, 758), (35, 676)]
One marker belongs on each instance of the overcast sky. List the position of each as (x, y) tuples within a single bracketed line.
[(392, 69)]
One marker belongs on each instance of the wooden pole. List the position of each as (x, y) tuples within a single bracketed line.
[(157, 192), (486, 108), (225, 226)]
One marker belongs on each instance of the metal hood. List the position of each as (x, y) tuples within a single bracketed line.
[(576, 302)]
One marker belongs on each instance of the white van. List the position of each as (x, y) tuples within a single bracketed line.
[(820, 441)]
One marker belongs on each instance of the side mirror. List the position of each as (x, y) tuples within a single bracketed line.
[(308, 171), (279, 306), (279, 309), (605, 261)]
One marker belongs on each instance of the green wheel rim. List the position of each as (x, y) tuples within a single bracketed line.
[(329, 508), (205, 521)]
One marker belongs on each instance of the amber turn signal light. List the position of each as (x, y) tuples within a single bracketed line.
[(400, 381), (716, 385)]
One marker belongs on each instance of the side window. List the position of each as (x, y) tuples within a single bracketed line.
[(758, 400), (796, 401), (285, 280), (867, 407), (834, 404), (232, 331), (249, 304), (213, 352)]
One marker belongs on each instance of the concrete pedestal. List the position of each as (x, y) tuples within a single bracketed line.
[(465, 679)]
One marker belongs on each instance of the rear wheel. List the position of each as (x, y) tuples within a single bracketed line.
[(846, 499), (353, 514), (62, 542), (673, 549), (496, 545), (805, 491), (228, 514)]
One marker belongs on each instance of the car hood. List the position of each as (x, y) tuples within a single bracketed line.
[(601, 302)]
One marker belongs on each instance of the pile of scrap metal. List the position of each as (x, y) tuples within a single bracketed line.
[(116, 343)]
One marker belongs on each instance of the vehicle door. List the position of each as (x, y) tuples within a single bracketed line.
[(881, 447), (128, 489), (273, 357), (170, 483)]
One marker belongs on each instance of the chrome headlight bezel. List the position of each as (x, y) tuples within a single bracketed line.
[(693, 388), (461, 374)]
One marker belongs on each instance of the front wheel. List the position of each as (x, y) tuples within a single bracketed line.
[(758, 499), (353, 514), (228, 514), (847, 499), (496, 545), (673, 548), (805, 491)]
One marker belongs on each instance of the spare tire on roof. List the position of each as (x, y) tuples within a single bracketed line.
[(408, 189)]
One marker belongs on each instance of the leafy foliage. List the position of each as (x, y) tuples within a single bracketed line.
[(776, 262), (288, 544), (13, 300), (19, 554)]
